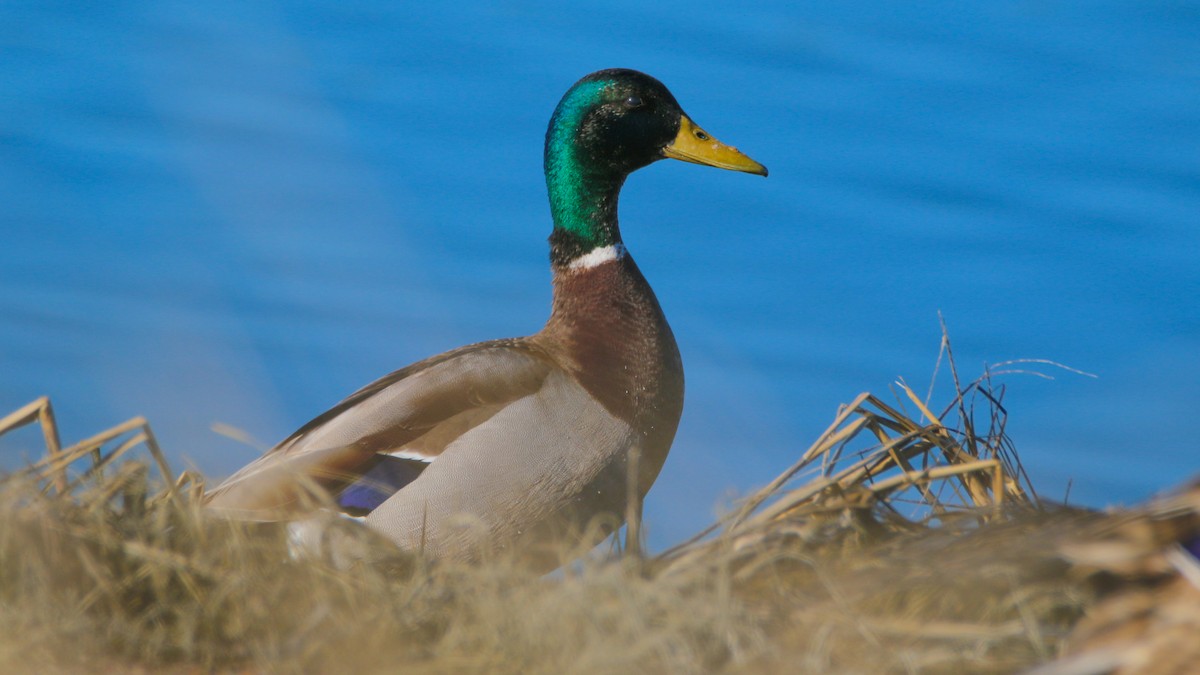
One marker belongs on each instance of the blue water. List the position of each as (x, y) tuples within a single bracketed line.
[(240, 212)]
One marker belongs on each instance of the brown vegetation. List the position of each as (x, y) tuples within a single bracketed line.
[(896, 543)]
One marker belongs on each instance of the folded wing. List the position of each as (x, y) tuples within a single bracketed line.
[(382, 436)]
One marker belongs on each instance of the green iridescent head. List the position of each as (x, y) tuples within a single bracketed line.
[(608, 125)]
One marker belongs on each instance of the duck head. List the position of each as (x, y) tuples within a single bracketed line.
[(609, 124)]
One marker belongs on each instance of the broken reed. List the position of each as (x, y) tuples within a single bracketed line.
[(888, 469)]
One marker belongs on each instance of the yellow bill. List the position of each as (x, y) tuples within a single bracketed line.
[(693, 144)]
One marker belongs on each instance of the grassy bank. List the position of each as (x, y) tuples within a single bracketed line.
[(902, 540)]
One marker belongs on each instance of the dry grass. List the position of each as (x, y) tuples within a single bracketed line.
[(117, 574), (896, 543)]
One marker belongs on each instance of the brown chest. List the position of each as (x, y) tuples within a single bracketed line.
[(607, 328)]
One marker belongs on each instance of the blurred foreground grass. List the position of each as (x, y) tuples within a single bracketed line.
[(899, 542)]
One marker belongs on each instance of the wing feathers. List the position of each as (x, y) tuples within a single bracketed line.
[(378, 483), (414, 413)]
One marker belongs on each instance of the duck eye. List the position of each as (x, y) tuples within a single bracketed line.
[(633, 102)]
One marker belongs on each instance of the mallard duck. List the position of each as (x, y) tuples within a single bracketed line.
[(529, 443)]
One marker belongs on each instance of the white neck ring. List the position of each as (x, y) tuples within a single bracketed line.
[(598, 256)]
